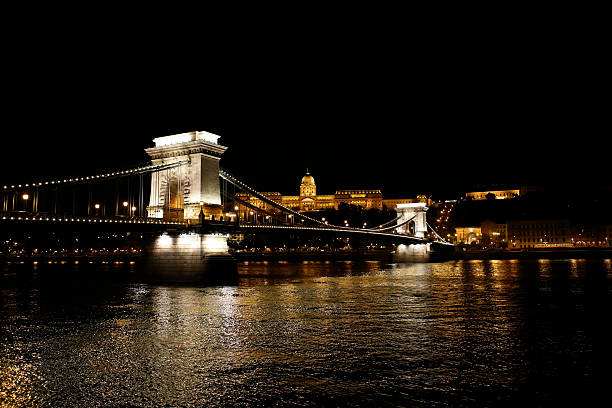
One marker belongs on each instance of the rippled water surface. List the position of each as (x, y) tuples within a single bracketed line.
[(468, 333)]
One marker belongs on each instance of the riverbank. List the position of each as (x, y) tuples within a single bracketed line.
[(565, 253), (387, 256), (382, 255)]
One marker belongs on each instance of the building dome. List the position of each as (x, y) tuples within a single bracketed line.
[(308, 179)]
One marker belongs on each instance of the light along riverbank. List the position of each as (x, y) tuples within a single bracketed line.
[(387, 256), (381, 255), (565, 253)]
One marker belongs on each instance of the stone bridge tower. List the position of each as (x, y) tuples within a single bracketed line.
[(181, 192), (418, 224)]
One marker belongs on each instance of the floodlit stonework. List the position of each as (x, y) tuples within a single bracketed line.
[(180, 192), (415, 211)]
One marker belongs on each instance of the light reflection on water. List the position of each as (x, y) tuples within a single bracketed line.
[(466, 333)]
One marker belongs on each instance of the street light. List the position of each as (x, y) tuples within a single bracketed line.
[(25, 198)]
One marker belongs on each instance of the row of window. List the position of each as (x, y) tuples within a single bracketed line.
[(540, 233), (536, 226), (553, 240)]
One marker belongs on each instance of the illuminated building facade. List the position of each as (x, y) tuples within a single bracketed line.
[(308, 200), (539, 234), (363, 198), (585, 235), (499, 194), (529, 234), (494, 233), (488, 233), (468, 235)]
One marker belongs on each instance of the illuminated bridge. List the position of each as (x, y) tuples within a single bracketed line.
[(184, 192)]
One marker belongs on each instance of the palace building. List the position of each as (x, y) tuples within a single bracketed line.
[(499, 194), (308, 200)]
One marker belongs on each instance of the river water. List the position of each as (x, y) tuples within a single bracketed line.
[(461, 333)]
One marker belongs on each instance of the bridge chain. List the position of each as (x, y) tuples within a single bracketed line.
[(99, 177), (233, 180)]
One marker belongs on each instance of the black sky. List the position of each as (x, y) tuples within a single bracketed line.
[(406, 111)]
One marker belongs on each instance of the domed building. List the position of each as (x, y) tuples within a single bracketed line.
[(308, 186), (308, 193), (308, 200)]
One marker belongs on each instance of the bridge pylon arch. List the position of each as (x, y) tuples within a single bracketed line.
[(415, 211), (193, 185)]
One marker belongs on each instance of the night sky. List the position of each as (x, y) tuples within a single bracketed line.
[(433, 115)]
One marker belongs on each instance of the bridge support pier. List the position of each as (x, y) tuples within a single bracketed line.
[(190, 258), (412, 253)]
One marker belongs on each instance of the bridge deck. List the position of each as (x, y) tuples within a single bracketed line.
[(209, 226), (345, 232)]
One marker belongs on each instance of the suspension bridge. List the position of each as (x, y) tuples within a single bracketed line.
[(184, 191)]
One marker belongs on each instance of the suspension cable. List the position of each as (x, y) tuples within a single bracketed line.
[(253, 207), (226, 176), (378, 227), (150, 168), (436, 234), (398, 225)]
